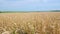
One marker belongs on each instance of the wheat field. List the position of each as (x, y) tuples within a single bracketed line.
[(30, 23)]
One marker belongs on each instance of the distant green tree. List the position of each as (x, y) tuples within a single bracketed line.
[(55, 10), (0, 12)]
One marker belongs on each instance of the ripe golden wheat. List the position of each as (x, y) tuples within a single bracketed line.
[(30, 23)]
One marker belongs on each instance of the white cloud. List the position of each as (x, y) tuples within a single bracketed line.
[(45, 1), (18, 3)]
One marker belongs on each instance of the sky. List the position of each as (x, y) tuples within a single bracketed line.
[(29, 5)]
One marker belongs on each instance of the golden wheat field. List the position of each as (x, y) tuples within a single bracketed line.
[(30, 23)]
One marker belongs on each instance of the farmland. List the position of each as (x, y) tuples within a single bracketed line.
[(30, 23)]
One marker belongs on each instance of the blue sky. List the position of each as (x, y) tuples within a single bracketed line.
[(29, 5)]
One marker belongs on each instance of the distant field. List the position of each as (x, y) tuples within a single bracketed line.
[(30, 23)]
